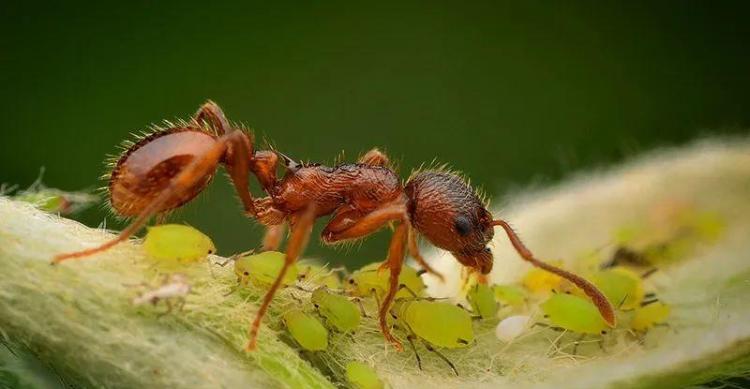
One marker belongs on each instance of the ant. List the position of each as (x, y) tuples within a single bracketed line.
[(170, 167)]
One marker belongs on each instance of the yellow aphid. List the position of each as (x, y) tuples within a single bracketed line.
[(541, 282), (177, 242), (650, 315), (262, 269), (370, 279), (622, 287)]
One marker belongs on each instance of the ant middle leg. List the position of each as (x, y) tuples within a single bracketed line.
[(272, 238), (301, 228), (375, 157)]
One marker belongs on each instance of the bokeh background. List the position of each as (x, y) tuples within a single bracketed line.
[(512, 93)]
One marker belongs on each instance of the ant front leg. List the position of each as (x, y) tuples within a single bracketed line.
[(414, 252), (301, 228)]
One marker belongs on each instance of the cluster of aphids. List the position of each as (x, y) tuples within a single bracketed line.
[(332, 303)]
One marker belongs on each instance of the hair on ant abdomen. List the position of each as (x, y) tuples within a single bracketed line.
[(169, 168)]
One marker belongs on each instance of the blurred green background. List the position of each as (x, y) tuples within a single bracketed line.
[(512, 93)]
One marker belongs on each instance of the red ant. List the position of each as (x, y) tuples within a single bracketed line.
[(168, 168)]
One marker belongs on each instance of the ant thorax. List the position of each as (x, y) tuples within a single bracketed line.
[(363, 186)]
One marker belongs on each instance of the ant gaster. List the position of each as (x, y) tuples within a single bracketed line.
[(167, 169)]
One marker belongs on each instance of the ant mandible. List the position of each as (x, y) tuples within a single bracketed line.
[(170, 167)]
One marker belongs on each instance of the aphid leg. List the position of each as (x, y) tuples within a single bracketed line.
[(300, 233), (443, 357), (414, 252), (577, 343), (361, 307), (182, 182), (374, 157), (168, 303), (272, 238), (601, 302), (411, 338)]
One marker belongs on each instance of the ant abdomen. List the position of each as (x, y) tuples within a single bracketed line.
[(447, 211), (146, 168)]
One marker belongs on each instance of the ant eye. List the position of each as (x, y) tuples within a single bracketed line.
[(463, 225)]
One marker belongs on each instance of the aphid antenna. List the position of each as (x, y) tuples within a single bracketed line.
[(649, 272), (648, 302)]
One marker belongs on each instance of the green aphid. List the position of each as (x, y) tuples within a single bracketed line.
[(649, 316), (262, 269), (440, 324), (340, 313), (369, 279), (306, 330), (482, 300), (574, 313), (622, 287), (177, 242), (320, 275), (512, 295), (56, 201), (362, 376)]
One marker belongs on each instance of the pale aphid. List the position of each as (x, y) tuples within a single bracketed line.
[(650, 315), (574, 313), (622, 287), (306, 330), (512, 327), (262, 269), (177, 242), (172, 289), (369, 280), (340, 313), (362, 376), (319, 275), (439, 323), (512, 295), (482, 300)]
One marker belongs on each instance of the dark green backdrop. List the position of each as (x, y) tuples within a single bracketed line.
[(511, 93)]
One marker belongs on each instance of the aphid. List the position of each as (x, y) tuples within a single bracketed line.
[(170, 167), (649, 315), (512, 327), (263, 269), (340, 313), (370, 279), (173, 287), (437, 324), (177, 242), (56, 201), (306, 330), (541, 282), (574, 313), (482, 300), (512, 295), (362, 376), (320, 275), (623, 287)]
